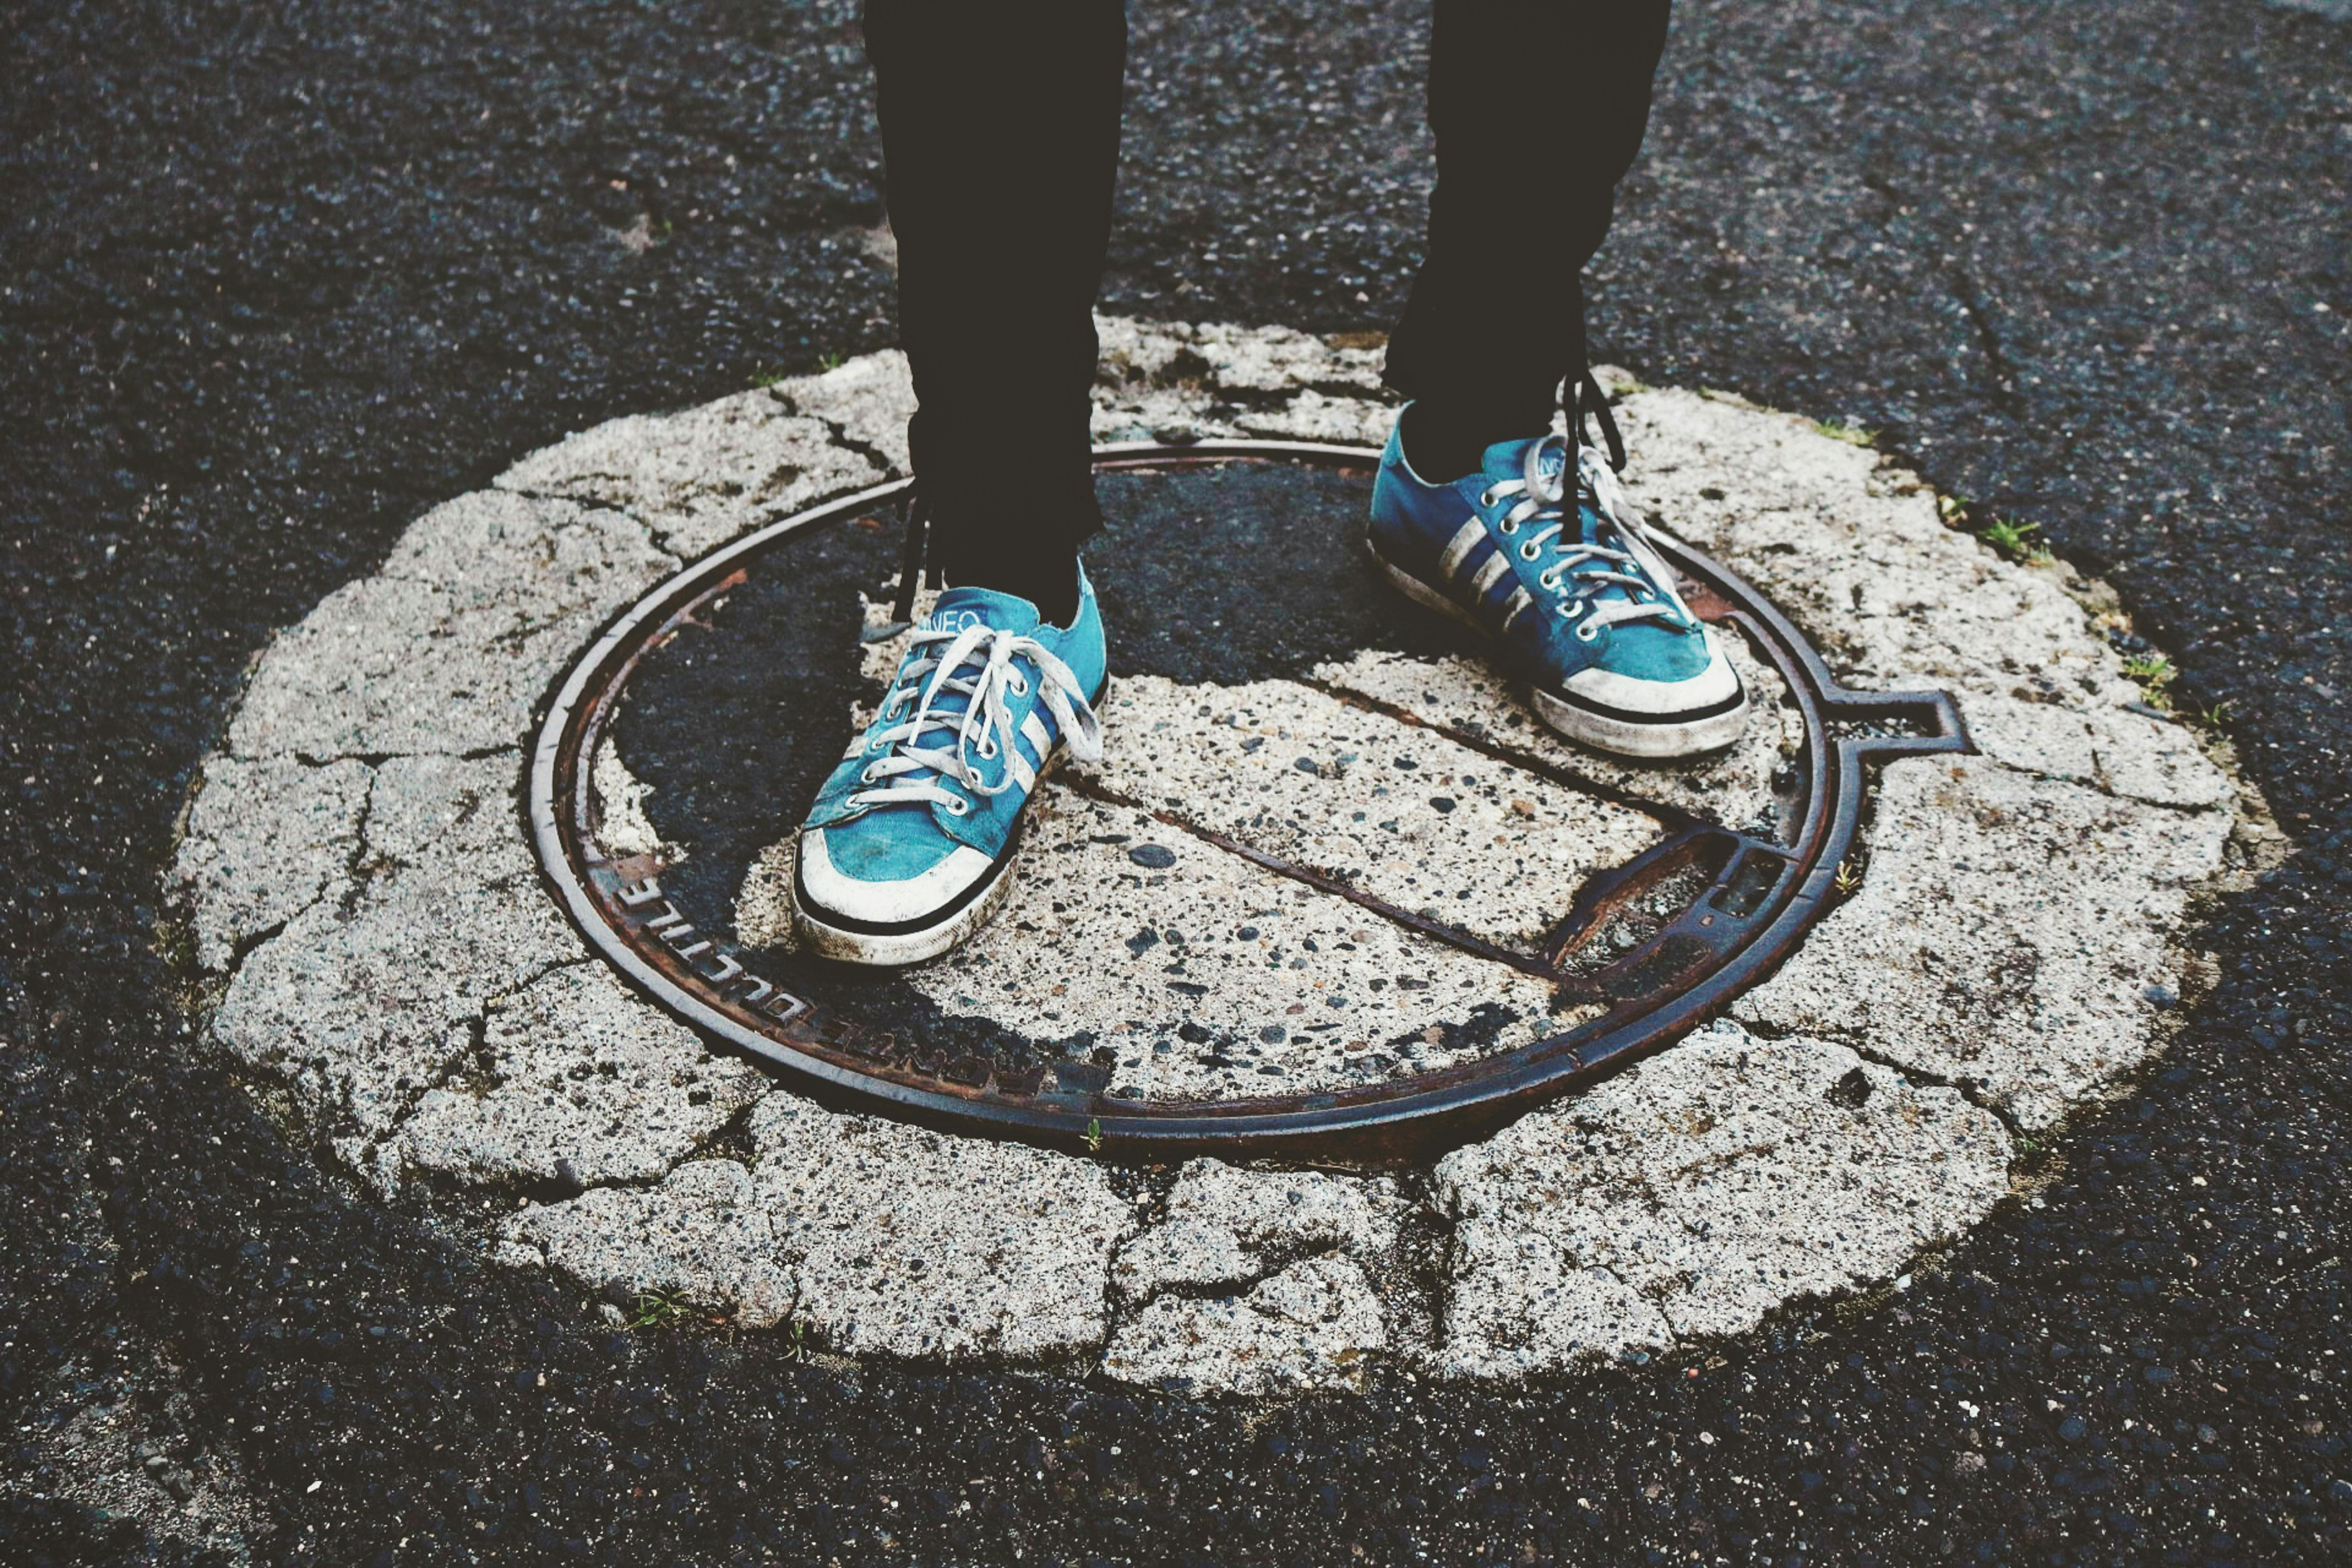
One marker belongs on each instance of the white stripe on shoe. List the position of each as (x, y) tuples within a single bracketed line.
[(1497, 566), (1465, 539)]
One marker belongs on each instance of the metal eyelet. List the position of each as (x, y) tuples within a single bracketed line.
[(1487, 499), (1529, 552), (959, 806), (987, 750), (1587, 632), (1020, 687), (866, 776)]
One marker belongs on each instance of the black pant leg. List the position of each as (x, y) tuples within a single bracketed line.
[(1000, 134), (1539, 108)]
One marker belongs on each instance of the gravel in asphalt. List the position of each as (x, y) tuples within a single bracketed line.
[(272, 284)]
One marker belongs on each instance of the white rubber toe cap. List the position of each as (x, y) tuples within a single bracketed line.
[(887, 903), (1711, 688)]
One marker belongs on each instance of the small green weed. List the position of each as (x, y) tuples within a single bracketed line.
[(659, 1308), (1852, 434), (2154, 672), (1094, 1135), (2012, 537)]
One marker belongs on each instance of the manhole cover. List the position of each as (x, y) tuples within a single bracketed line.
[(1310, 903)]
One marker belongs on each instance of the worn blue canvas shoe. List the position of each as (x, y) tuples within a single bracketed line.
[(907, 851), (1578, 600)]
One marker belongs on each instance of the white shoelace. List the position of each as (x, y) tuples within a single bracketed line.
[(1638, 568), (907, 770)]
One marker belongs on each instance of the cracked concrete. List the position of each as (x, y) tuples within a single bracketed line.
[(580, 1082), (1712, 1184), (1224, 1224), (2009, 935), (265, 841), (700, 477), (1315, 1325), (448, 647), (357, 875)]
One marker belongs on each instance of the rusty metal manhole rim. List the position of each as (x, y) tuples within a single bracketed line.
[(1845, 732)]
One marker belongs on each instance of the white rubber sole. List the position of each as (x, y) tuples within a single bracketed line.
[(1647, 740), (896, 948)]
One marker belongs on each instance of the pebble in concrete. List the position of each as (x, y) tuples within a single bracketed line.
[(1231, 980), (265, 840), (581, 1082), (2005, 936), (1708, 1187), (699, 477)]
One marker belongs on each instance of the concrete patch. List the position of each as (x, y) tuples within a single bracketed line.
[(366, 999), (865, 404), (1733, 787), (1712, 1184), (909, 1242), (1396, 811), (447, 649), (1314, 1325), (264, 841), (1223, 1225), (579, 1081), (699, 477), (356, 872), (700, 1234), (622, 826), (876, 1238), (2008, 936)]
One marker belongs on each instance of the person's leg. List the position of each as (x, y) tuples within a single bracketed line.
[(1000, 126), (999, 133), (1479, 510), (1539, 108)]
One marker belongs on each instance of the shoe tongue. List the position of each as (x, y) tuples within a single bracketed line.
[(959, 608), (1508, 460)]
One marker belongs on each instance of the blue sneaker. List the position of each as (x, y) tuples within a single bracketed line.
[(905, 852), (1585, 609)]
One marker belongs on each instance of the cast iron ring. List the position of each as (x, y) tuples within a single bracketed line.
[(1758, 898)]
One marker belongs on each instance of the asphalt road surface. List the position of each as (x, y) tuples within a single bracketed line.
[(275, 280)]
